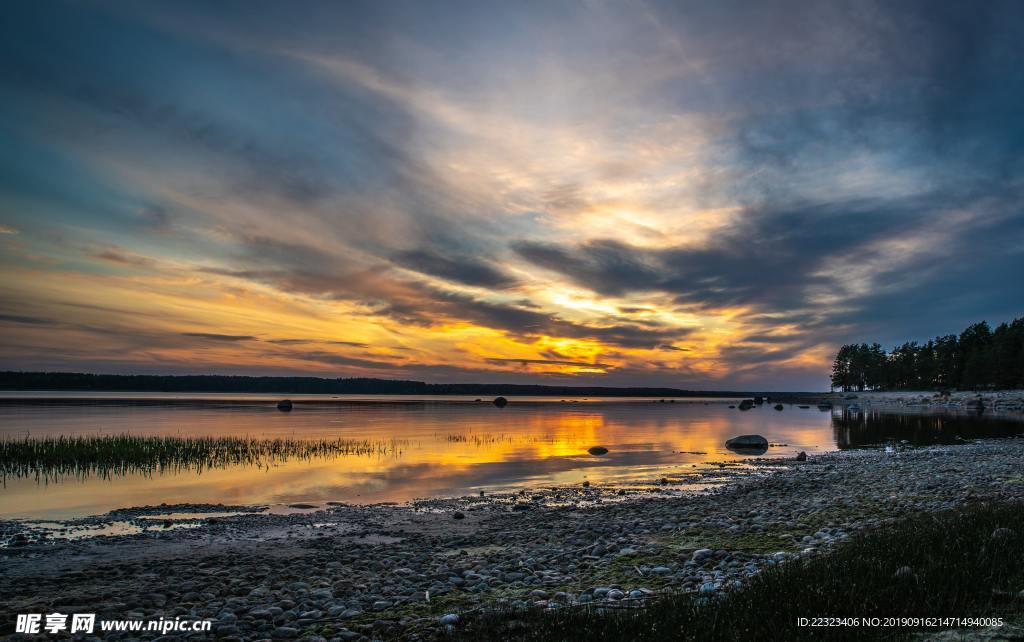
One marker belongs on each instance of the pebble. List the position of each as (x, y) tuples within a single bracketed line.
[(708, 588), (285, 633)]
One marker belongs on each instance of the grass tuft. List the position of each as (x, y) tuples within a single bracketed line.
[(54, 458)]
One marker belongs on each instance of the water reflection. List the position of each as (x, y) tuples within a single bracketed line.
[(451, 448), (858, 429), (748, 451)]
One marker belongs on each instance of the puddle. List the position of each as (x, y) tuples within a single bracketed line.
[(189, 516), (57, 531), (292, 509)]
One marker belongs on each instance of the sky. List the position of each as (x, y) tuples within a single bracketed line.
[(705, 195)]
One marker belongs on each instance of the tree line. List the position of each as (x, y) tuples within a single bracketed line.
[(977, 358), (314, 385)]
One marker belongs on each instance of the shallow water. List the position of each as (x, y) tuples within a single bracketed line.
[(448, 447)]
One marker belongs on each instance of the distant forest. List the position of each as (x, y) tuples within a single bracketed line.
[(979, 358), (313, 385)]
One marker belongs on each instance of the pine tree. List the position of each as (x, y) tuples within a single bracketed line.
[(977, 358)]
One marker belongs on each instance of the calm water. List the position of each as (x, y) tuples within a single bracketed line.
[(445, 446)]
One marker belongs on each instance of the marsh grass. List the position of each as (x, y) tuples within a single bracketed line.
[(484, 439), (489, 439), (958, 569), (50, 459)]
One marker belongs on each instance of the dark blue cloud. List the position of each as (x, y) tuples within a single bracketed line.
[(461, 269), (873, 154), (214, 336)]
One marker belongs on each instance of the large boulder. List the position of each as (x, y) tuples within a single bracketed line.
[(284, 405), (747, 441), (597, 451), (500, 402), (748, 445), (746, 404)]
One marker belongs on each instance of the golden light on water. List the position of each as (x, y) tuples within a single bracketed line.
[(439, 450)]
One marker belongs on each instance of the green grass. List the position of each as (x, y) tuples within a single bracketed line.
[(54, 458), (719, 538), (958, 570)]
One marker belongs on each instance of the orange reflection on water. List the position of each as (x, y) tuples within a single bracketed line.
[(444, 449)]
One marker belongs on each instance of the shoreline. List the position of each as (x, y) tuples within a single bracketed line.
[(383, 400), (636, 459), (347, 572), (997, 401)]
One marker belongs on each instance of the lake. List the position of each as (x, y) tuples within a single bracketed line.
[(436, 447)]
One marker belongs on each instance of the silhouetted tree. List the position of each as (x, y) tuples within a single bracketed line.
[(926, 369), (1008, 355), (947, 361), (975, 346), (977, 358), (875, 365), (841, 368)]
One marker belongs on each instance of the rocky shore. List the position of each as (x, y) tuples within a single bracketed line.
[(994, 402), (343, 572)]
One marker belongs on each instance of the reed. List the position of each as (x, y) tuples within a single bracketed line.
[(483, 439), (55, 458)]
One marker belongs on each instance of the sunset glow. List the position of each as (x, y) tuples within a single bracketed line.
[(570, 192)]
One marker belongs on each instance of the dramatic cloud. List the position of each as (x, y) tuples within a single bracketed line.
[(706, 195), (16, 318), (465, 270), (218, 337)]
